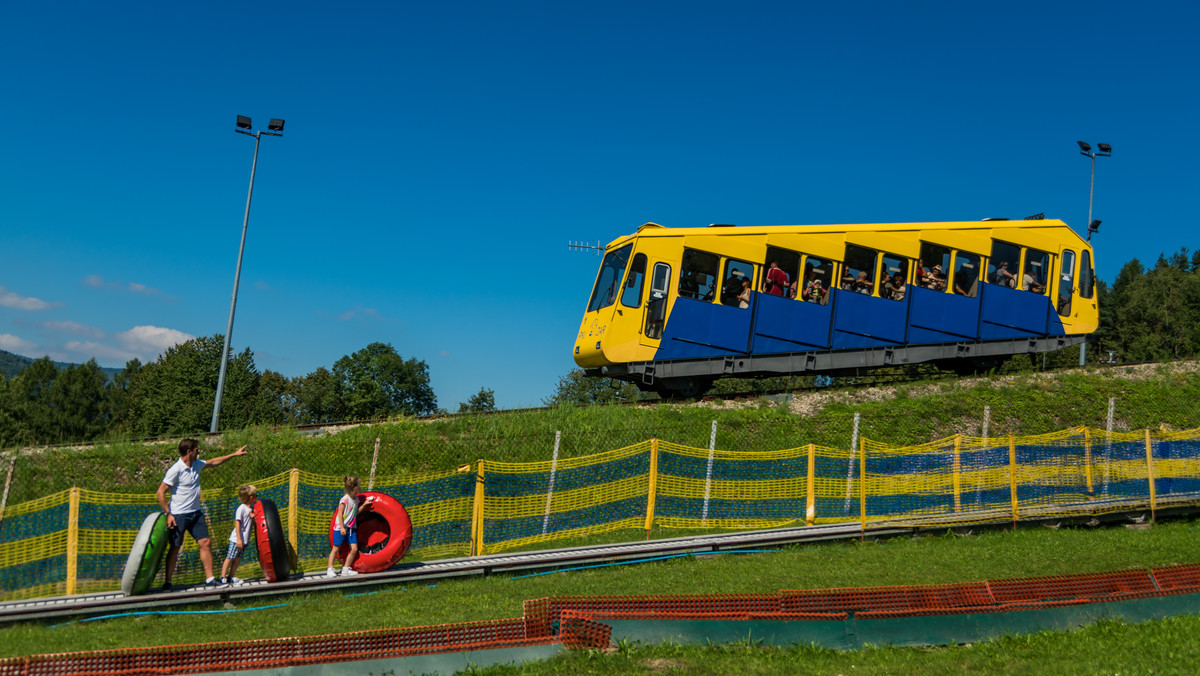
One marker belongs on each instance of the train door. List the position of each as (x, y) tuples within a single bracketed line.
[(656, 305)]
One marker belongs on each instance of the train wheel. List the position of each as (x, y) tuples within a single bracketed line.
[(684, 388)]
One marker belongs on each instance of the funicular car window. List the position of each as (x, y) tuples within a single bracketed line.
[(893, 281), (932, 267), (1004, 264), (608, 282), (1035, 278), (966, 273), (698, 275), (817, 280), (858, 274), (789, 262), (631, 296), (738, 274)]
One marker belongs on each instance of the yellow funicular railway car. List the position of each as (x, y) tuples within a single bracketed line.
[(673, 309)]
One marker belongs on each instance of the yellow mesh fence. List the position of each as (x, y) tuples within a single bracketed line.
[(57, 543)]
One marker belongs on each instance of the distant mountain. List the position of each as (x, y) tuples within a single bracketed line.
[(12, 364)]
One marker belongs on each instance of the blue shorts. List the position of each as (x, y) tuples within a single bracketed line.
[(234, 551), (192, 522), (351, 537)]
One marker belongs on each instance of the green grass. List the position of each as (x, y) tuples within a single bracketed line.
[(914, 413), (907, 560)]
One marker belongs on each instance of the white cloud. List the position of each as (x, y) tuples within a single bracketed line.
[(151, 341), (11, 343), (98, 282), (73, 328), (144, 290), (98, 351), (10, 299), (363, 313)]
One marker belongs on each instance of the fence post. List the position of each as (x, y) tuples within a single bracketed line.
[(7, 483), (550, 488), (987, 418), (1112, 406), (477, 513), (712, 447), (374, 459), (652, 488), (1012, 477), (1087, 461), (72, 539), (1150, 473), (810, 512), (957, 473), (862, 482), (294, 509), (850, 466)]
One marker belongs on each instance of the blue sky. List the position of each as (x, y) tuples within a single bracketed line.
[(438, 157)]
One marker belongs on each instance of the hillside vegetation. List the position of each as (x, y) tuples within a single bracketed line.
[(1144, 396)]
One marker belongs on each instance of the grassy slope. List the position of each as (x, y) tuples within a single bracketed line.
[(1023, 404)]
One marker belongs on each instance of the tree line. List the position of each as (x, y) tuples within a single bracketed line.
[(47, 403)]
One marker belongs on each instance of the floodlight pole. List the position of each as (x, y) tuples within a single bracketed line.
[(1086, 151), (237, 275)]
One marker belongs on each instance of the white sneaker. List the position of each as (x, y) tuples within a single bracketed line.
[(330, 573), (348, 571), (236, 581)]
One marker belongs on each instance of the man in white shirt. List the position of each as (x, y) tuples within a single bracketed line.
[(184, 511)]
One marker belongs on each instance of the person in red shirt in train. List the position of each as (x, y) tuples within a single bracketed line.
[(777, 280)]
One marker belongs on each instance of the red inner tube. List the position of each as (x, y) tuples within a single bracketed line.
[(384, 533), (272, 546)]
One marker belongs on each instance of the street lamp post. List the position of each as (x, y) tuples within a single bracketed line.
[(1102, 150), (275, 128)]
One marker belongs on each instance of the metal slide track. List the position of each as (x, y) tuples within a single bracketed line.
[(117, 602)]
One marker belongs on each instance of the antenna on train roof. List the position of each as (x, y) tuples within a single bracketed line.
[(589, 247)]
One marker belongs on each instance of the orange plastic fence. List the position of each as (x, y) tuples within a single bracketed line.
[(578, 621)]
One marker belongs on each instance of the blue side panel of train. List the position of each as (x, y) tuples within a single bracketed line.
[(775, 325)]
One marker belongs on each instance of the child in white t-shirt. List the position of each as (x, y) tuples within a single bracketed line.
[(243, 523)]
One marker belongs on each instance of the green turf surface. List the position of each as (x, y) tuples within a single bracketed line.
[(927, 559)]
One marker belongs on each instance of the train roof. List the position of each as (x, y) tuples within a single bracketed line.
[(991, 224)]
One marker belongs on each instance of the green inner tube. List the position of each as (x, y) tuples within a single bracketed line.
[(146, 555)]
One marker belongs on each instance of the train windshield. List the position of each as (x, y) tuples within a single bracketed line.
[(608, 282)]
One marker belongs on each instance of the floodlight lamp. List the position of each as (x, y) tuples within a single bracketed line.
[(275, 125), (1104, 147), (243, 122), (1084, 147), (1094, 226)]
